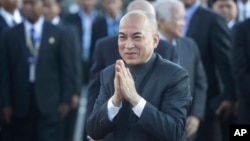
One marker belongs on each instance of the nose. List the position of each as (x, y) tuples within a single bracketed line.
[(129, 44)]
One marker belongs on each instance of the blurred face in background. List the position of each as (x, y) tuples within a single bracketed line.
[(173, 27), (112, 7), (51, 9), (87, 5), (188, 3), (32, 9), (226, 8), (9, 5)]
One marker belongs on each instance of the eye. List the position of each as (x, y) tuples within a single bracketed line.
[(137, 38), (121, 38)]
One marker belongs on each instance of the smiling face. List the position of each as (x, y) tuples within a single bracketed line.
[(136, 39)]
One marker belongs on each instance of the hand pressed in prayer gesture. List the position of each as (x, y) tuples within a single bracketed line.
[(126, 83)]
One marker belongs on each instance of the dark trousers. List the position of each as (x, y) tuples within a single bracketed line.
[(210, 130), (69, 126), (35, 126)]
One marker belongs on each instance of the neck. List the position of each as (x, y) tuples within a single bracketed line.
[(168, 36), (11, 11), (87, 11)]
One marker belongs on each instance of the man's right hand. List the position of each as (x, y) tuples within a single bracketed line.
[(7, 113), (117, 97)]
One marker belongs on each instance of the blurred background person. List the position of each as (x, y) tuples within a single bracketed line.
[(37, 76), (9, 17), (52, 10), (9, 14), (107, 25), (170, 16), (241, 63), (211, 34), (83, 21), (228, 9), (243, 10)]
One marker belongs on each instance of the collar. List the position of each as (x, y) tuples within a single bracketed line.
[(56, 20), (9, 18), (143, 68), (38, 27), (191, 10), (110, 21), (92, 15), (166, 39), (231, 24)]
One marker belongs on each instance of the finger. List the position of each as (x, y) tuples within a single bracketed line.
[(188, 128), (129, 74), (219, 110)]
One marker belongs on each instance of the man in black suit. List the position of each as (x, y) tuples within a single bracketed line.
[(211, 34), (108, 24), (9, 17), (83, 21), (106, 53), (228, 9), (52, 10), (142, 97), (38, 74), (241, 64), (170, 16)]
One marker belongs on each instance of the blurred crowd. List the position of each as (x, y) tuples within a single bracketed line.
[(47, 55)]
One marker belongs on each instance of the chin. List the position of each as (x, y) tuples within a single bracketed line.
[(131, 62)]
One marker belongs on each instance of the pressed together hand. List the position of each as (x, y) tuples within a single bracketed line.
[(124, 85)]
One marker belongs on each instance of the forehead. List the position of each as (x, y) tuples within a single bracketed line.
[(32, 1), (133, 24)]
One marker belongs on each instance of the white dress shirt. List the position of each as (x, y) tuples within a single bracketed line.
[(11, 18)]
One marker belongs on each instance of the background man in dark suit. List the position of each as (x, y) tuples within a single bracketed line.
[(38, 74), (228, 9), (83, 21), (108, 24), (241, 63), (211, 34), (145, 97), (171, 21), (52, 10), (9, 17)]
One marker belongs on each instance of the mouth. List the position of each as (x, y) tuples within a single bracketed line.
[(130, 54)]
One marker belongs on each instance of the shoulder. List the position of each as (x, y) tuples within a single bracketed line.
[(245, 25), (208, 14), (71, 17), (166, 67), (107, 43), (99, 21)]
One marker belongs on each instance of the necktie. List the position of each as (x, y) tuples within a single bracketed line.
[(32, 36)]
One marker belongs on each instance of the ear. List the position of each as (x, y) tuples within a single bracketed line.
[(156, 39)]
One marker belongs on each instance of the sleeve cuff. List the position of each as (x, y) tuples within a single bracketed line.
[(139, 107), (112, 110)]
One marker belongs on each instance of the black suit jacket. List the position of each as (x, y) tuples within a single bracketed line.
[(99, 30), (212, 37), (53, 69), (3, 27), (163, 118), (189, 58), (106, 53), (76, 21), (241, 63), (75, 53)]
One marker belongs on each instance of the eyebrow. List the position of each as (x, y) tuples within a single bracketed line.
[(134, 34)]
